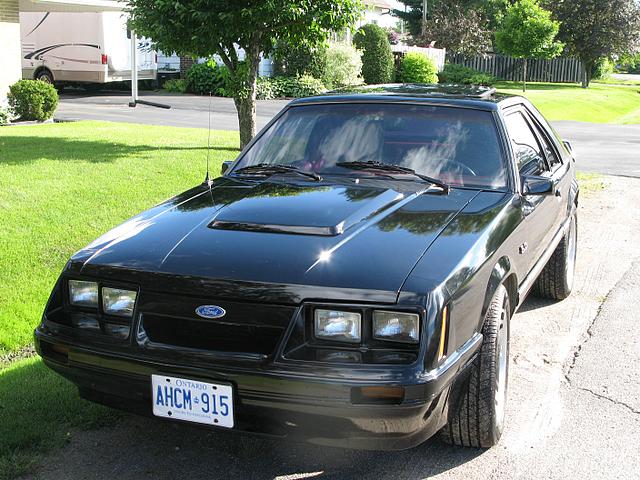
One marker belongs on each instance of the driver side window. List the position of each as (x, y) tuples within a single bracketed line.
[(527, 150)]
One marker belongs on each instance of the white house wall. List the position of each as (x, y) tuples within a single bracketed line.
[(11, 70)]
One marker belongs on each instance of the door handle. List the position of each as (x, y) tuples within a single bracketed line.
[(556, 189)]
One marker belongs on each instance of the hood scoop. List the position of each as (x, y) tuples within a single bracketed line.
[(314, 210)]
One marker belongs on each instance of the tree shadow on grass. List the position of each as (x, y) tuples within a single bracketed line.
[(19, 150), (37, 408)]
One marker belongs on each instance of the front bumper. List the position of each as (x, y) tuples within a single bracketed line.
[(294, 406)]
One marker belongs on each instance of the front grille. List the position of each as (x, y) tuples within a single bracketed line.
[(211, 335), (245, 328)]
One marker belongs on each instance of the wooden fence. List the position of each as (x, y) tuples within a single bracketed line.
[(562, 69)]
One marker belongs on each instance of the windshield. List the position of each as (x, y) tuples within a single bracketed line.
[(455, 145)]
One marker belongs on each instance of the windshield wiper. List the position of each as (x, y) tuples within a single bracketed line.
[(387, 167), (268, 169)]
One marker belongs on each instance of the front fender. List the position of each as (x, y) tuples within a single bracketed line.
[(502, 274)]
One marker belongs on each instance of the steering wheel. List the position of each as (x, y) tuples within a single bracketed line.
[(463, 167)]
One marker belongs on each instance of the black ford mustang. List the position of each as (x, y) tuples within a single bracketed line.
[(349, 280)]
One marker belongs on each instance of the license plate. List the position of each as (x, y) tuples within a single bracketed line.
[(192, 400)]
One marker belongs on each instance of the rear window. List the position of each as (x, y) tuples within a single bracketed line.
[(456, 145)]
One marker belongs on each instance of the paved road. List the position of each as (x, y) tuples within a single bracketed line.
[(573, 408), (604, 148), (186, 110), (608, 149), (628, 77)]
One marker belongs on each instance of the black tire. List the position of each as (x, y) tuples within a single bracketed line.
[(44, 75), (556, 279), (477, 419)]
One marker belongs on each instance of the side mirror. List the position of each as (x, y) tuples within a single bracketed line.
[(567, 144), (226, 165), (535, 185)]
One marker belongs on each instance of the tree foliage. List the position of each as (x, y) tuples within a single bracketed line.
[(528, 31), (377, 57), (202, 28), (293, 60), (595, 29), (491, 10), (458, 28)]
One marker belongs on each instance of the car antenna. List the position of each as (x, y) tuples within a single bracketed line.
[(207, 178)]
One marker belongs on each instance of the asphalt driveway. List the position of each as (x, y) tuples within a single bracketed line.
[(602, 148)]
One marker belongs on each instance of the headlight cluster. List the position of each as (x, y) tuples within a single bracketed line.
[(337, 325), (115, 301), (345, 326), (83, 294)]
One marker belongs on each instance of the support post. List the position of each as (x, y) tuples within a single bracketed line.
[(425, 5), (134, 69)]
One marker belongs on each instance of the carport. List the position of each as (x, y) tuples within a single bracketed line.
[(10, 48)]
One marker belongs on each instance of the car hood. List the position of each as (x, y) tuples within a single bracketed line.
[(366, 235)]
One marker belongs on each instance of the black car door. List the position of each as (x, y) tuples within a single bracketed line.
[(540, 212), (559, 172)]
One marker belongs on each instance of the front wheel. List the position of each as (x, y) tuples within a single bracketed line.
[(556, 279), (478, 418), (45, 76)]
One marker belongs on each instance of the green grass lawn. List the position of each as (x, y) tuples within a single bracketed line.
[(600, 103), (590, 183), (38, 409), (62, 185)]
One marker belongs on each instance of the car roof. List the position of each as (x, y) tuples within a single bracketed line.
[(483, 98)]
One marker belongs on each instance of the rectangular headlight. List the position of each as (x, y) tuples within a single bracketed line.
[(83, 294), (337, 325), (116, 301), (396, 326)]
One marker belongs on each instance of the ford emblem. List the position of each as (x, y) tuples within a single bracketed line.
[(210, 311)]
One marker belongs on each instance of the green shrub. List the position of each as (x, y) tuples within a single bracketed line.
[(418, 68), (482, 78), (177, 85), (33, 99), (602, 69), (461, 75), (4, 116), (343, 67), (377, 57), (288, 87), (206, 78), (297, 60)]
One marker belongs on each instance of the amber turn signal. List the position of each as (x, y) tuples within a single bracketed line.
[(443, 333), (377, 394)]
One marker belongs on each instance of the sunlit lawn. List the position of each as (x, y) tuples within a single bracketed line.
[(599, 103), (62, 185)]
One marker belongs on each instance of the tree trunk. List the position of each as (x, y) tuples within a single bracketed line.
[(246, 101), (246, 108), (524, 75), (588, 73)]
